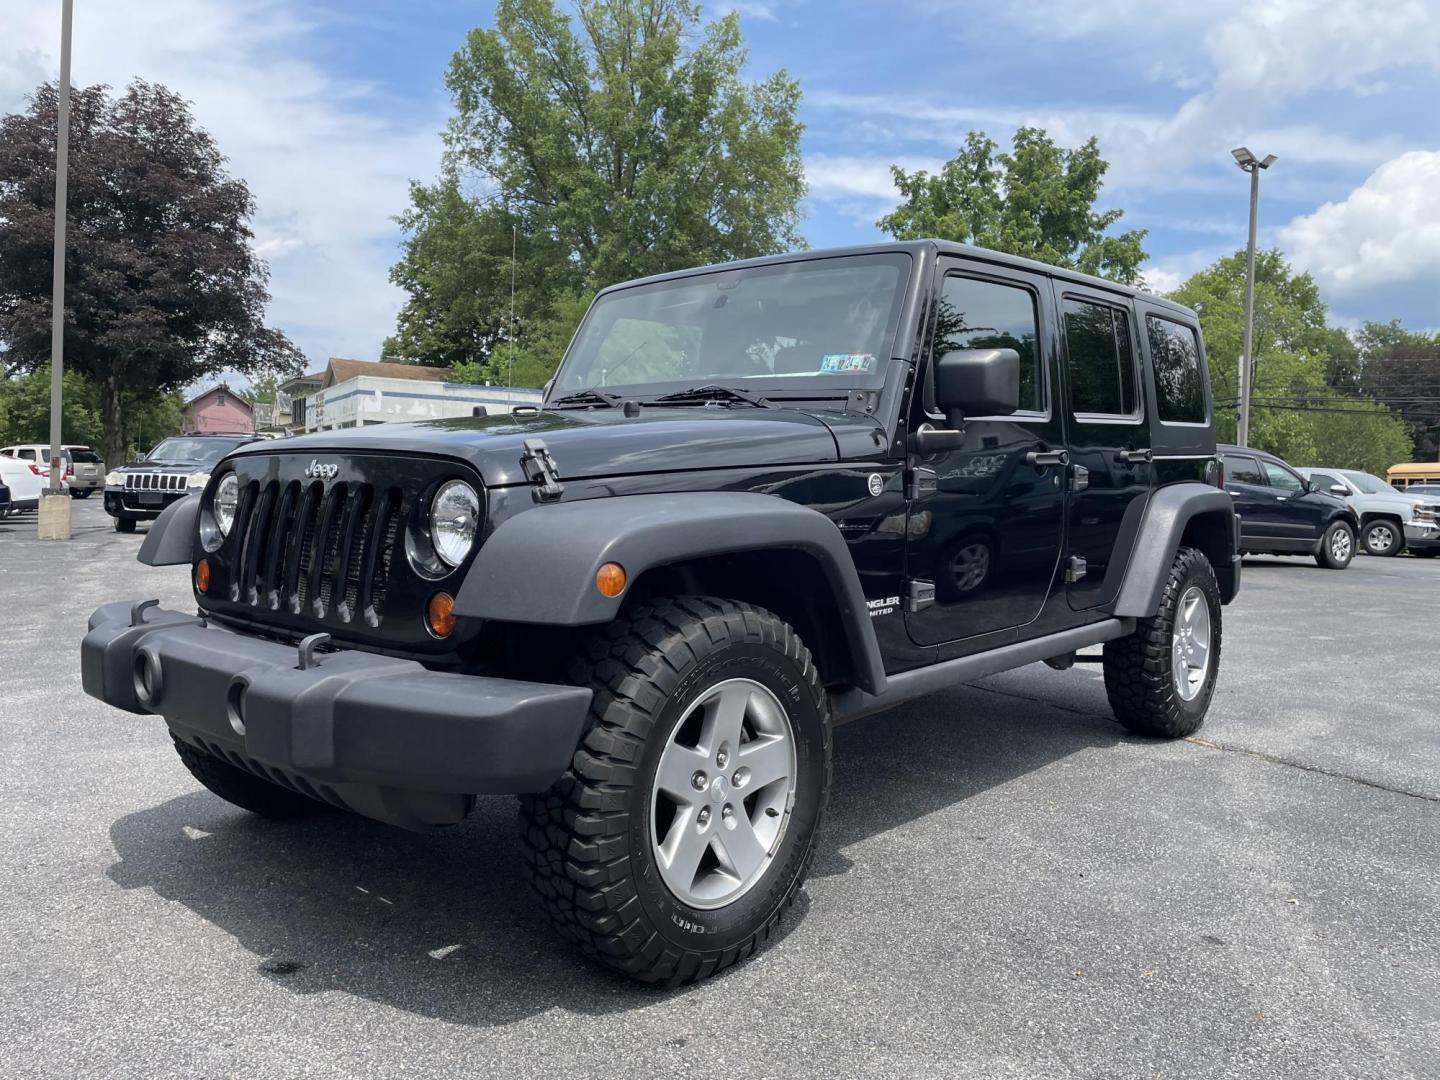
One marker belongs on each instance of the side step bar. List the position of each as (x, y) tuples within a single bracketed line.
[(852, 704)]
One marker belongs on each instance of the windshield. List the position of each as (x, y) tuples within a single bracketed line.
[(825, 324), (201, 451), (1370, 485)]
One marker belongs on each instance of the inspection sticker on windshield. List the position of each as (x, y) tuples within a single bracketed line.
[(838, 362)]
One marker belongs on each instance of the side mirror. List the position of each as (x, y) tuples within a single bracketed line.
[(1339, 489), (977, 382)]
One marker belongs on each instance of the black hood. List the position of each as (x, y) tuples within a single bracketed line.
[(599, 442)]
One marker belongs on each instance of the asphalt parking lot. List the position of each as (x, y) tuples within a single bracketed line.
[(1008, 886)]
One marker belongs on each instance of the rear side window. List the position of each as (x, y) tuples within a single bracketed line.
[(976, 314), (1101, 360), (1179, 386), (1243, 470), (26, 454)]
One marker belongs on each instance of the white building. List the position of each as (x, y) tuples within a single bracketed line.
[(355, 393)]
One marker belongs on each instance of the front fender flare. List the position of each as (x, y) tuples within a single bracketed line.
[(171, 540), (539, 566)]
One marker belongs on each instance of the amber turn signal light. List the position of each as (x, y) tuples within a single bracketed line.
[(610, 579), (202, 576), (440, 614)]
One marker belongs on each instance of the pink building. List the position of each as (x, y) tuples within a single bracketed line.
[(217, 409)]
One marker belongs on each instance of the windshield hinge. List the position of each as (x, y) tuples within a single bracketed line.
[(540, 470)]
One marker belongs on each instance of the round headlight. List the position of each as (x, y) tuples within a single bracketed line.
[(454, 519), (227, 500)]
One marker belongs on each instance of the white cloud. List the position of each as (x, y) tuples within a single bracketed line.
[(328, 172), (1387, 230), (1160, 280), (749, 9)]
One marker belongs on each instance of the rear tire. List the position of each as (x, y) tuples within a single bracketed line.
[(124, 525), (1383, 537), (1337, 546), (244, 789), (80, 493), (1141, 681), (605, 848)]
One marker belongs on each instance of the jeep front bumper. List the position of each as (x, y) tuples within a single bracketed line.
[(383, 736)]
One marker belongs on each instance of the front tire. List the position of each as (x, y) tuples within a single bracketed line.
[(1160, 678), (1337, 546), (243, 789), (1383, 538), (675, 840), (124, 524)]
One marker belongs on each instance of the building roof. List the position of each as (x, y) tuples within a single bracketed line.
[(316, 377), (339, 370), (219, 386)]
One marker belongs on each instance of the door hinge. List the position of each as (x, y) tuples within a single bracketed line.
[(920, 482), (1079, 478), (919, 595), (1074, 569), (540, 470)]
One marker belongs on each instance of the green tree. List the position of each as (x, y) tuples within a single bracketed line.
[(25, 409), (1295, 411), (620, 141), (1402, 368), (456, 267), (1038, 200), (163, 287)]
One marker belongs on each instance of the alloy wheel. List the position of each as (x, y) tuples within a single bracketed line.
[(723, 793), (1190, 644)]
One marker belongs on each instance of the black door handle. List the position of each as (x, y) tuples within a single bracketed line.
[(1129, 457), (1041, 458)]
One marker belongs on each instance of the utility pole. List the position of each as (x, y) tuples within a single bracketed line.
[(54, 513), (1252, 165)]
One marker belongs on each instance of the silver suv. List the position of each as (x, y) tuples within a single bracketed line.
[(1391, 521)]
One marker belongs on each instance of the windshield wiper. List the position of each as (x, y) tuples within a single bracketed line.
[(711, 393), (591, 396)]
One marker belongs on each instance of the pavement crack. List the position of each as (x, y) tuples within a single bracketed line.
[(1274, 759)]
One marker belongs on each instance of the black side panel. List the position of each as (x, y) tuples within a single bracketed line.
[(1170, 510), (170, 541), (539, 566)]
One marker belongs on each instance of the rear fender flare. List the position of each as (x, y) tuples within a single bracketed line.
[(539, 566), (1169, 511)]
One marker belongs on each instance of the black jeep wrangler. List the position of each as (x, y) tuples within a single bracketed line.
[(759, 500)]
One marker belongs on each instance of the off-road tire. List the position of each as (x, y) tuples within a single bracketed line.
[(1376, 531), (1325, 557), (124, 525), (245, 790), (1138, 673), (588, 856)]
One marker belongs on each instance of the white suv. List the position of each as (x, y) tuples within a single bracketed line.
[(1391, 521)]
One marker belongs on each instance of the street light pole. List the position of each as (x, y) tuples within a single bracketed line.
[(1252, 165), (55, 517)]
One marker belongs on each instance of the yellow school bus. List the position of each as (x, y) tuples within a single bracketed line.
[(1413, 472)]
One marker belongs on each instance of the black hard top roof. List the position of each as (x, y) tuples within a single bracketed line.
[(920, 248)]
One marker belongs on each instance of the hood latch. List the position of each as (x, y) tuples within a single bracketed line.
[(540, 470)]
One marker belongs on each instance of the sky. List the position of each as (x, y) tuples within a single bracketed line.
[(328, 111)]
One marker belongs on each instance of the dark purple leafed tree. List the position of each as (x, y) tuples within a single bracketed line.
[(162, 285)]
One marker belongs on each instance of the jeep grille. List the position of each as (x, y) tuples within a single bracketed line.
[(315, 551)]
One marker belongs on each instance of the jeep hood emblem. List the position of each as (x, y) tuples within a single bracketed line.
[(321, 470)]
